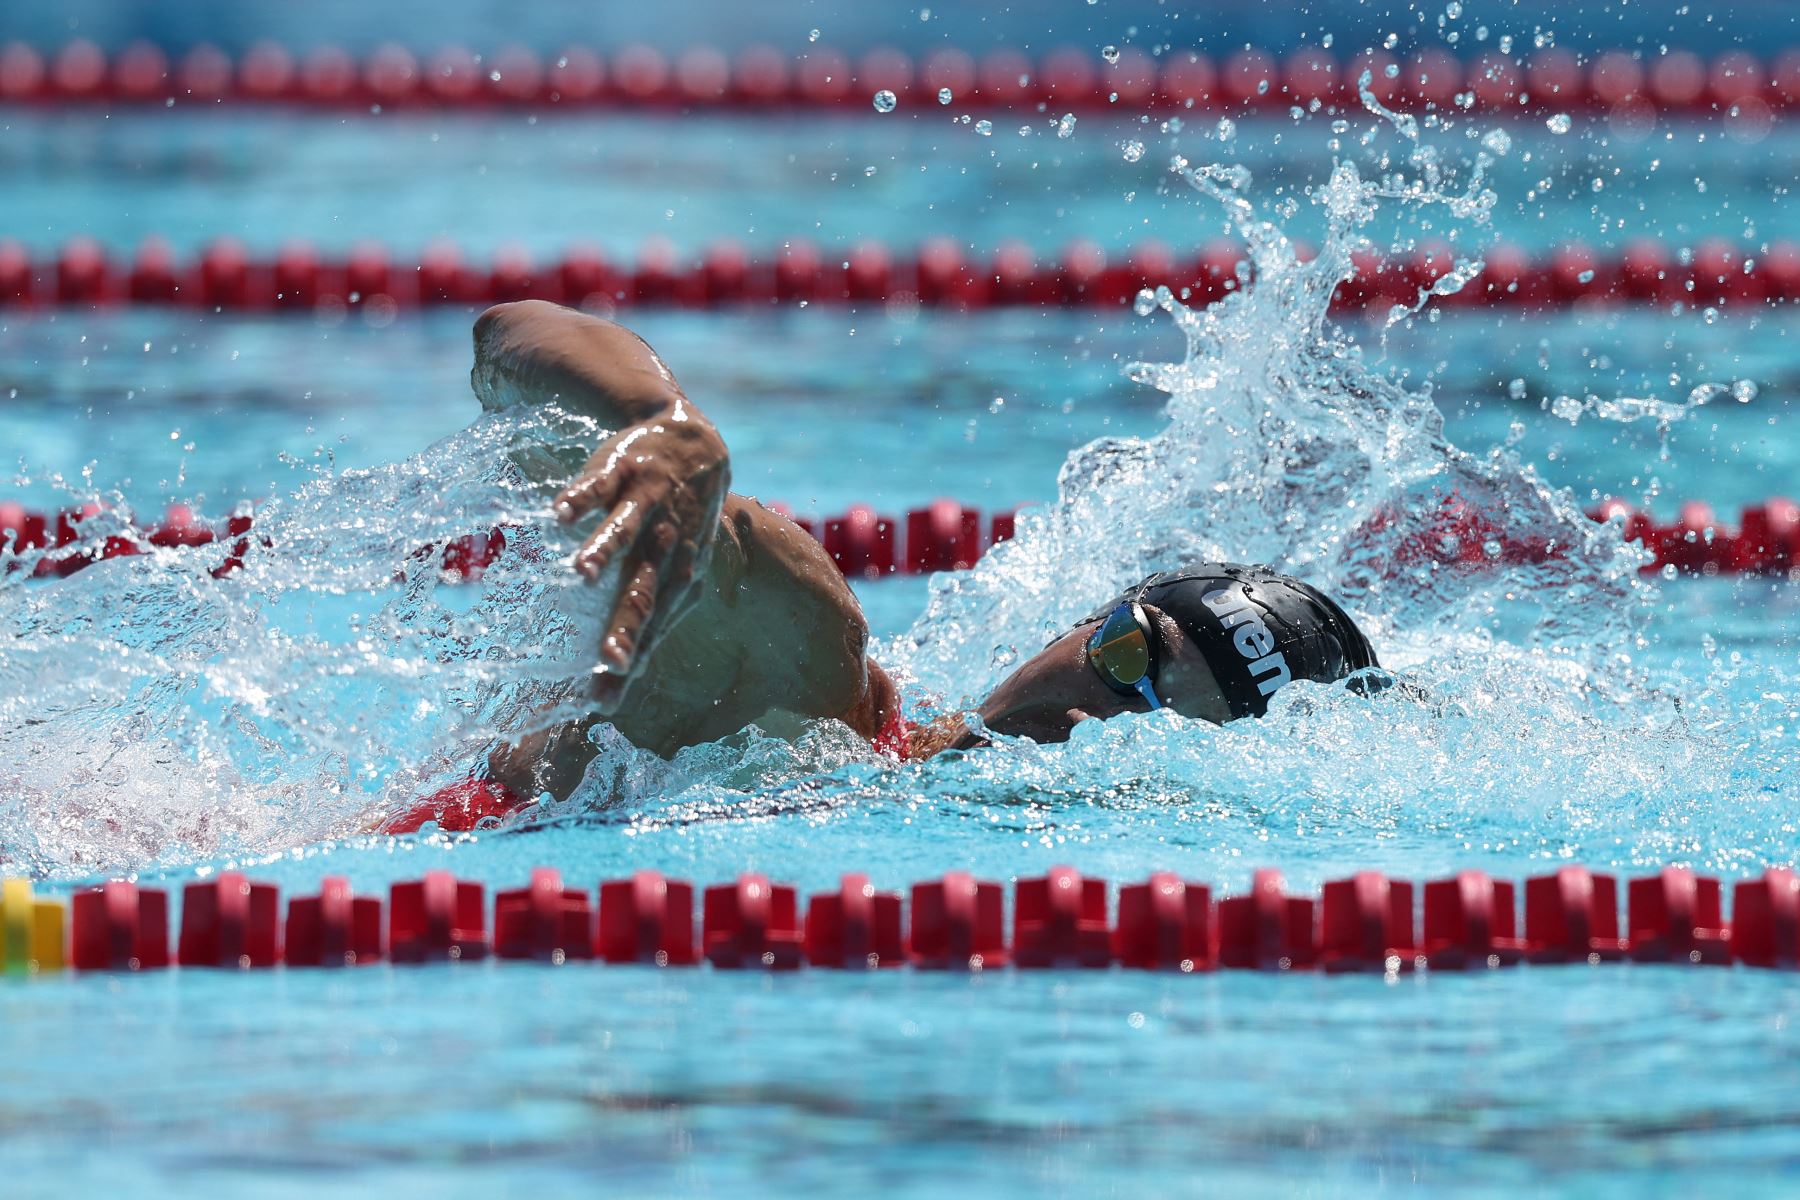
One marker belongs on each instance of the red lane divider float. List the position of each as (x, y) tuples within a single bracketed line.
[(438, 917), (119, 927), (1366, 922), (941, 274), (647, 919), (68, 550), (334, 928), (544, 920), (855, 926), (229, 922), (764, 78), (1766, 540), (946, 536), (752, 923)]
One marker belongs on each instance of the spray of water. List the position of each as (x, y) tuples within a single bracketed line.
[(1285, 446), (149, 709), (153, 714)]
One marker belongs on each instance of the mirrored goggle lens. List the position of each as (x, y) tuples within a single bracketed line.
[(1119, 649)]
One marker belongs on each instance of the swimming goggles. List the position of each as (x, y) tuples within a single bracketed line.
[(1123, 652)]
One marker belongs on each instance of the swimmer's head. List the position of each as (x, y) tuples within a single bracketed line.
[(1214, 641)]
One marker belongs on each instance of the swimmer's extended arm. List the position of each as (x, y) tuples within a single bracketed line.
[(781, 623), (660, 480)]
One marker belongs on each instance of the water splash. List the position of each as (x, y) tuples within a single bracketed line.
[(1538, 730), (152, 715), (149, 709), (1284, 445)]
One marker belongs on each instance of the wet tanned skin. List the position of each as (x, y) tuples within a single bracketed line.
[(727, 614)]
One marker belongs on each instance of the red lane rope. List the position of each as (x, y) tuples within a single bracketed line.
[(1367, 922), (1632, 83), (947, 536), (942, 274)]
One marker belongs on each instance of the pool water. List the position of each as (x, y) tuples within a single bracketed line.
[(266, 178), (1573, 713)]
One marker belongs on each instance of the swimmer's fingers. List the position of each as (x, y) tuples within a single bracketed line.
[(632, 628), (636, 629), (615, 465), (618, 649), (618, 533), (593, 491)]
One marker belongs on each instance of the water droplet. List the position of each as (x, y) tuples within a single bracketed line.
[(1453, 10), (1065, 127), (885, 101), (1024, 131), (1227, 129), (1516, 389), (1145, 304), (1498, 140), (1559, 123), (812, 35), (1327, 40), (1743, 391), (944, 96), (1134, 150), (1110, 53), (1392, 70), (984, 128), (868, 171)]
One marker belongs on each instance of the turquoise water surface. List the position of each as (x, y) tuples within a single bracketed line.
[(157, 723)]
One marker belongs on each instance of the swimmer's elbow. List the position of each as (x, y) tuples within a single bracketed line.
[(497, 334), (533, 352)]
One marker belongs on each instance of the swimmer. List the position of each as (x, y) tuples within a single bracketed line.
[(728, 614)]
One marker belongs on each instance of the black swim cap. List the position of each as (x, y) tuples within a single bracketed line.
[(1256, 628)]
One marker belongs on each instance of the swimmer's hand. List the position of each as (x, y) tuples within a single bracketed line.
[(658, 484), (660, 487)]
